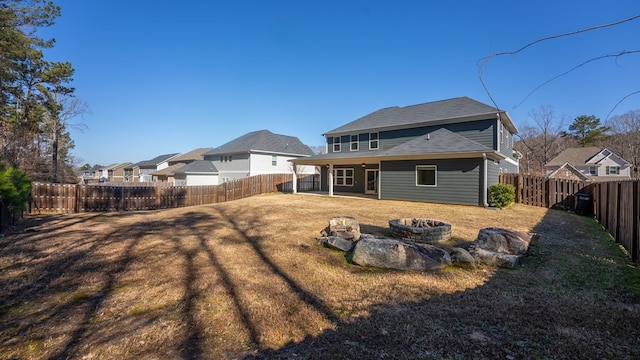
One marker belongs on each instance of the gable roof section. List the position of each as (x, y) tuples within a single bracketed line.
[(196, 154), (169, 170), (572, 169), (153, 162), (263, 141), (121, 166), (199, 167), (433, 113), (574, 156)]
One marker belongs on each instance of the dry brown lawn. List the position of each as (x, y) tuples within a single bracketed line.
[(246, 279)]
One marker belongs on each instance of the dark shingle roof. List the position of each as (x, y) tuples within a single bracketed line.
[(198, 166), (422, 114), (263, 141), (153, 162)]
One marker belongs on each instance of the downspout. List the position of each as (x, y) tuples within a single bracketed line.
[(484, 180)]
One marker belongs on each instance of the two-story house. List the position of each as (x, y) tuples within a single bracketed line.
[(115, 173), (588, 164), (167, 174), (255, 153), (142, 171), (447, 151)]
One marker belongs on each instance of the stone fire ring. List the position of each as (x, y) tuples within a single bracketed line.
[(420, 230)]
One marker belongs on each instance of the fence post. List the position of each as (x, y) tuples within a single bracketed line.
[(158, 193)]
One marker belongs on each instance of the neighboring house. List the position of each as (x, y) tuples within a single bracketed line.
[(91, 176), (102, 173), (447, 151), (257, 153), (142, 171), (200, 172), (175, 163), (115, 173), (588, 163)]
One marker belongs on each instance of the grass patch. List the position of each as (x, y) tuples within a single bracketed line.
[(234, 280)]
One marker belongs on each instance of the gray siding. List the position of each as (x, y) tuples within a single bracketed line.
[(458, 181), (358, 179), (493, 173), (481, 131), (506, 140), (508, 167)]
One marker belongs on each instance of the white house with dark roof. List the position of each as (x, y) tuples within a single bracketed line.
[(199, 172), (178, 161), (447, 151), (255, 153), (142, 171), (588, 163)]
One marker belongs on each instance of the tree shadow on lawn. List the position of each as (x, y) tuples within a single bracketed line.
[(566, 301), (51, 274)]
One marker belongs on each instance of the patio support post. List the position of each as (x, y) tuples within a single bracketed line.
[(330, 179), (294, 180)]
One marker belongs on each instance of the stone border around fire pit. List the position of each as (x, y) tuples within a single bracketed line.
[(420, 230)]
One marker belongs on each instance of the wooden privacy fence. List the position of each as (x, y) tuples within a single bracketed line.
[(615, 204), (69, 198), (544, 192)]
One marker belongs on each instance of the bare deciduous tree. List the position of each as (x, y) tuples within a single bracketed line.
[(626, 136)]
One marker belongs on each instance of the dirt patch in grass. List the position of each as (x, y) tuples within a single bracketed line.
[(246, 279)]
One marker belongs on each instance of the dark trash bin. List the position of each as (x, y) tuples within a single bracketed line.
[(583, 205)]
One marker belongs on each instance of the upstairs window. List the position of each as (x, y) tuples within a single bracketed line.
[(593, 170), (613, 170), (373, 141), (354, 143), (336, 144), (274, 160), (426, 175)]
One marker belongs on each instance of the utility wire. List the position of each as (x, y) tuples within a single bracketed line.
[(482, 62)]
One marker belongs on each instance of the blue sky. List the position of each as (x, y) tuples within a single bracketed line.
[(165, 76)]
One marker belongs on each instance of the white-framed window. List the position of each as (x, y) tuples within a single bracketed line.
[(373, 141), (343, 177), (426, 175), (613, 170), (593, 170), (274, 160), (336, 144), (354, 143)]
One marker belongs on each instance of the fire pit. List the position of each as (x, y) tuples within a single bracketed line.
[(420, 230)]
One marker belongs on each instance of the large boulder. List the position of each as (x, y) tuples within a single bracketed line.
[(503, 241), (495, 258), (501, 247), (462, 258), (345, 227), (397, 254), (336, 243)]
